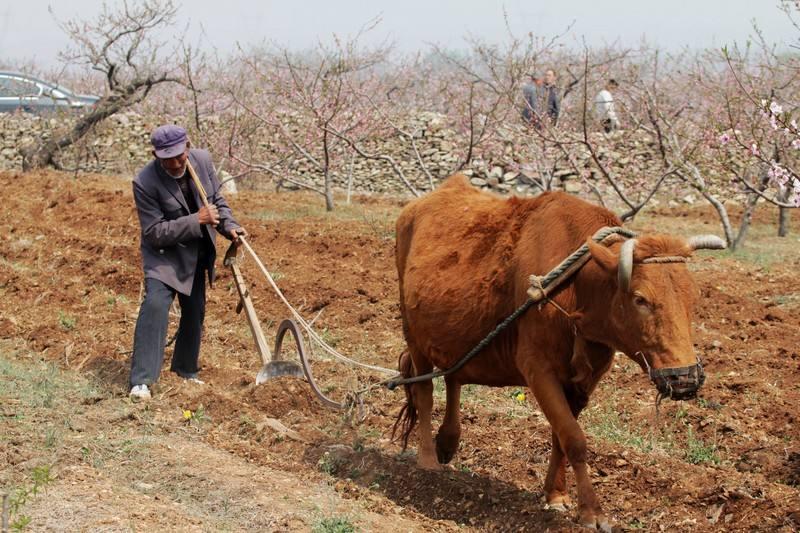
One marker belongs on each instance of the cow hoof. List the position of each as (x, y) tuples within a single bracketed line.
[(444, 456), (558, 501), (431, 465), (598, 522), (445, 451), (560, 507)]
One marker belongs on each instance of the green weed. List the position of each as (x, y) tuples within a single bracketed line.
[(698, 452), (38, 383), (114, 299), (604, 422), (333, 524), (464, 468), (329, 464), (379, 478), (637, 524), (40, 478), (329, 337), (50, 437), (67, 322)]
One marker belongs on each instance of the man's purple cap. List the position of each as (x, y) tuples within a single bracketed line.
[(169, 141)]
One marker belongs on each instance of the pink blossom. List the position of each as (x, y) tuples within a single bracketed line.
[(775, 108), (724, 138), (754, 149), (778, 175)]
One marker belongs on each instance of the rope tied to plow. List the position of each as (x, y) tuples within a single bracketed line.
[(303, 322)]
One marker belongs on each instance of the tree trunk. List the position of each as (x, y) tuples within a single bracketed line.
[(749, 209), (723, 216), (39, 155), (350, 176), (744, 225), (327, 172), (784, 214), (328, 193), (783, 221), (42, 154)]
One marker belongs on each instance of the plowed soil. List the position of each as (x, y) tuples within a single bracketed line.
[(213, 457)]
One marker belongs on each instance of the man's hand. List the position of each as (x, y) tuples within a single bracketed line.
[(236, 233), (208, 215)]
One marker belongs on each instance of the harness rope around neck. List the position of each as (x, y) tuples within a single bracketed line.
[(539, 293)]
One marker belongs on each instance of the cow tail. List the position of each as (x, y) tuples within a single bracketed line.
[(407, 418)]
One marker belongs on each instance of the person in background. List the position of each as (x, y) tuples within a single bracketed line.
[(178, 236), (552, 99), (604, 107), (530, 106)]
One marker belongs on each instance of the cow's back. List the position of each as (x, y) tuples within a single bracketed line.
[(443, 229), (454, 249)]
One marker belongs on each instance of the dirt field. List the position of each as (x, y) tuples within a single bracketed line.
[(208, 458)]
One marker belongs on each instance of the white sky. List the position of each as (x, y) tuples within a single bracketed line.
[(29, 32)]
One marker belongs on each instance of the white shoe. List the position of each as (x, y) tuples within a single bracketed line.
[(140, 392), (190, 377)]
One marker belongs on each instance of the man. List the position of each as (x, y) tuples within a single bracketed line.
[(177, 244), (552, 99), (604, 107), (530, 105)]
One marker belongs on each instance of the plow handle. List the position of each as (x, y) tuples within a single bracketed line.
[(200, 189), (246, 303)]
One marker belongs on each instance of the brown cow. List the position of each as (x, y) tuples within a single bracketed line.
[(464, 259)]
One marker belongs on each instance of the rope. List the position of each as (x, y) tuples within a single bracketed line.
[(300, 320), (392, 383), (536, 281), (582, 251)]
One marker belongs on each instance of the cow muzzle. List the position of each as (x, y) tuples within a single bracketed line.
[(681, 383)]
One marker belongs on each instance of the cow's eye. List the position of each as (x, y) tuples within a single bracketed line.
[(640, 300)]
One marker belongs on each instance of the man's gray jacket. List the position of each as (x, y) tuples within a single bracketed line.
[(171, 235)]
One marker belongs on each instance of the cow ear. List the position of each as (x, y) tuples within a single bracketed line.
[(603, 256)]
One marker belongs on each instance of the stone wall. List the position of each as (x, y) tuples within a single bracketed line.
[(121, 146)]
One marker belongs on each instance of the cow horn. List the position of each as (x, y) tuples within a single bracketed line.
[(625, 268), (706, 242)]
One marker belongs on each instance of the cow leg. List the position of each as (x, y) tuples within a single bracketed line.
[(422, 394), (555, 484), (449, 434), (550, 395), (423, 400)]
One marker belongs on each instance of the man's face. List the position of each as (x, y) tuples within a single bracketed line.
[(549, 77), (176, 166)]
